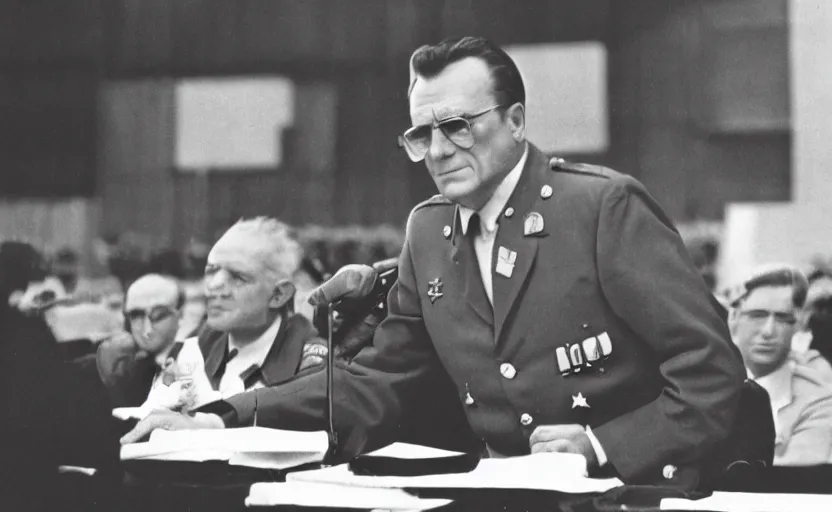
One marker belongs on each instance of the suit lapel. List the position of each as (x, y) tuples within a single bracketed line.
[(510, 235), (214, 353), (284, 356)]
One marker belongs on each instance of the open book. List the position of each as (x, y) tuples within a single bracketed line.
[(249, 446)]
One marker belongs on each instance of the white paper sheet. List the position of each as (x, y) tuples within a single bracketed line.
[(328, 495), (412, 451), (542, 471), (255, 446), (127, 413), (751, 502)]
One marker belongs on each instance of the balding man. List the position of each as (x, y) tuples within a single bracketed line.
[(145, 365)]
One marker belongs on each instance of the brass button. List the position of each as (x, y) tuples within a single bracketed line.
[(526, 419), (508, 371), (668, 471), (509, 212)]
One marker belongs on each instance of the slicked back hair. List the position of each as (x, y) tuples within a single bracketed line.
[(776, 275), (507, 84)]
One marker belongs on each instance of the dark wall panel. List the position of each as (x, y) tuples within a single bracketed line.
[(47, 134), (699, 102)]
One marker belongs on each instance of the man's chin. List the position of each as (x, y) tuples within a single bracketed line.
[(219, 322), (454, 190)]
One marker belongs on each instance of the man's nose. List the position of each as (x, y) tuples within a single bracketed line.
[(146, 327), (769, 326), (214, 281), (440, 145)]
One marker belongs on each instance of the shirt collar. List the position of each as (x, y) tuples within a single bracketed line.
[(256, 351), (490, 211), (778, 384)]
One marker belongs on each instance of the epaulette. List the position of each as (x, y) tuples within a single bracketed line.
[(437, 200), (561, 165)]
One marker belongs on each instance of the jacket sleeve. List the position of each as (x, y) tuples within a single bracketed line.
[(650, 282), (370, 392), (811, 437)]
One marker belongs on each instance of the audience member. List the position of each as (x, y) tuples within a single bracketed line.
[(762, 321), (147, 365), (252, 337)]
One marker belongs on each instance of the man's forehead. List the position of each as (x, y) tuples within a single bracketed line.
[(771, 296), (461, 87), (151, 292), (236, 248)]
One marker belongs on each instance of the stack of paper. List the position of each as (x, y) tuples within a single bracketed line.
[(751, 502), (251, 446), (562, 472), (337, 496)]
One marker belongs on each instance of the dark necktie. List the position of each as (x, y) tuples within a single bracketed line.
[(475, 288), (229, 355)]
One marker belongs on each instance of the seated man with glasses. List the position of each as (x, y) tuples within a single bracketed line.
[(146, 365), (763, 319)]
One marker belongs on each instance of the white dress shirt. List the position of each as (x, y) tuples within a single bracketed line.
[(778, 384), (190, 390), (489, 214), (248, 354)]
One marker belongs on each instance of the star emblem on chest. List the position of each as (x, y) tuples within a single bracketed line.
[(434, 290)]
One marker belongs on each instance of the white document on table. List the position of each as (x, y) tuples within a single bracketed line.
[(130, 413), (309, 494), (562, 472), (412, 451), (752, 502), (248, 446)]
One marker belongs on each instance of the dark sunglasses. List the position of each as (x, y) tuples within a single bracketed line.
[(155, 314), (416, 140)]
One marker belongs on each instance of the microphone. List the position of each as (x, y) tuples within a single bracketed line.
[(353, 294)]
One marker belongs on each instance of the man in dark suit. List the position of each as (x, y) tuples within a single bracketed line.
[(558, 297)]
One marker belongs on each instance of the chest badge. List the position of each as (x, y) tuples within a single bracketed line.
[(505, 261), (435, 290), (533, 224)]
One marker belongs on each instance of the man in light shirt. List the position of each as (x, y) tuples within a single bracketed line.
[(763, 319)]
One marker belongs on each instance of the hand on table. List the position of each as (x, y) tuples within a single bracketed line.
[(169, 420), (564, 439)]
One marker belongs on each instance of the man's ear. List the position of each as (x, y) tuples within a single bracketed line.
[(284, 293), (516, 116), (733, 316)]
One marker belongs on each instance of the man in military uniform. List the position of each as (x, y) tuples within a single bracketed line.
[(558, 297)]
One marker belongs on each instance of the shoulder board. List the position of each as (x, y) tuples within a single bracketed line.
[(437, 200), (561, 165)]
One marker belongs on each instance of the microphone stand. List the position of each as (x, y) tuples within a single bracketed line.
[(332, 451)]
